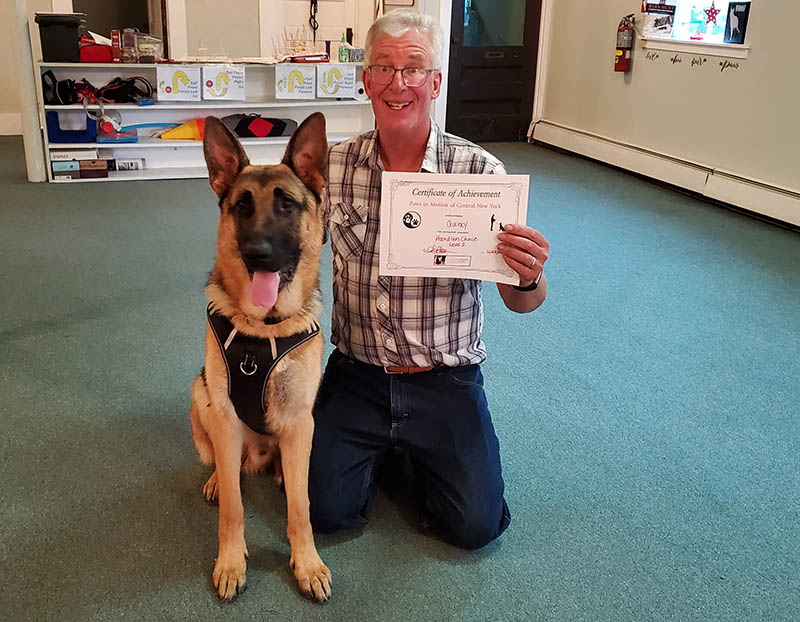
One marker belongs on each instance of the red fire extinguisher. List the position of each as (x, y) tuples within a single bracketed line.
[(622, 57)]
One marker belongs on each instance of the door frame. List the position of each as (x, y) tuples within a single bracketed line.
[(542, 59)]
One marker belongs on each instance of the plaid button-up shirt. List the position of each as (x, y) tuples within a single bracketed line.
[(385, 320)]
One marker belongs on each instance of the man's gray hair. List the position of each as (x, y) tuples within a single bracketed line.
[(399, 22)]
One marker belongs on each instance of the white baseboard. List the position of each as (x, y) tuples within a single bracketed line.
[(753, 195), (756, 197), (10, 123)]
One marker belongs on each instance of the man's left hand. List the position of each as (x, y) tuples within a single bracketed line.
[(525, 250)]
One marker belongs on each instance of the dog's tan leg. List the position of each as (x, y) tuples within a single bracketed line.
[(311, 573), (278, 468), (201, 441), (230, 569)]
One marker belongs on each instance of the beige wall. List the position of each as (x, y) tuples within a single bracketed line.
[(334, 16), (223, 28), (742, 120), (9, 96), (233, 28), (10, 120)]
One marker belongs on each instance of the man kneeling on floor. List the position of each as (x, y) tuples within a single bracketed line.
[(406, 370)]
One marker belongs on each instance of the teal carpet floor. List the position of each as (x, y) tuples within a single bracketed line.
[(648, 415)]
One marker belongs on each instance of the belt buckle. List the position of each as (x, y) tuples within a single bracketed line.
[(386, 370)]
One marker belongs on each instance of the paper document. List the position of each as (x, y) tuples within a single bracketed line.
[(446, 226)]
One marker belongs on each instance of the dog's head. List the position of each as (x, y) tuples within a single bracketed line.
[(270, 222)]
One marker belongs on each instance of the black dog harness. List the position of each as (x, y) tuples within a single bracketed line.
[(249, 361)]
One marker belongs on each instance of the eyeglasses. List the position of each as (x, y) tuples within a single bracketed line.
[(412, 76)]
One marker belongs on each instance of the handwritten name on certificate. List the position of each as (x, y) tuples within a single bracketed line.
[(446, 226)]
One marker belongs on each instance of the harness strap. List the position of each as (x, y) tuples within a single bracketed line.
[(249, 361)]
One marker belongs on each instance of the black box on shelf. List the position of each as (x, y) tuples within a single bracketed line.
[(90, 173), (58, 33)]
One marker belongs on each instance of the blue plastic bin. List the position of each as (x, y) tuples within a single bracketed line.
[(57, 135)]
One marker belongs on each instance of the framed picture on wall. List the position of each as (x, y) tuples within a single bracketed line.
[(736, 24)]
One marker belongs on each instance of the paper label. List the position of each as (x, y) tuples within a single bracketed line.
[(178, 83), (295, 82)]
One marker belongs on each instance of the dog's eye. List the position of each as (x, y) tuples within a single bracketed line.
[(284, 203), (244, 205)]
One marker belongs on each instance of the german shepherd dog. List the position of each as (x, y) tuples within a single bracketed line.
[(263, 292)]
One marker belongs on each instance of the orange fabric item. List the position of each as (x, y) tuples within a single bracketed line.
[(191, 130)]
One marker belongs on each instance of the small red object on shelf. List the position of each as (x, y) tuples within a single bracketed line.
[(95, 53)]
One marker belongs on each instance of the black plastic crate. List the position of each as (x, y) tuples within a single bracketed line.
[(59, 35)]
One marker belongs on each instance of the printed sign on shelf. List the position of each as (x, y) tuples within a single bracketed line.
[(223, 82), (178, 83), (294, 82), (336, 81)]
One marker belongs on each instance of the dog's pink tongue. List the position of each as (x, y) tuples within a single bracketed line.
[(264, 289)]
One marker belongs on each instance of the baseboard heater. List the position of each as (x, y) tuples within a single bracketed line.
[(775, 202)]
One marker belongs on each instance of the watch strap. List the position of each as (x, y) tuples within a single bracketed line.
[(532, 286)]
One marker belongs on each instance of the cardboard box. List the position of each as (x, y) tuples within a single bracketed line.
[(94, 165), (116, 51), (68, 165), (130, 164), (93, 173), (73, 154)]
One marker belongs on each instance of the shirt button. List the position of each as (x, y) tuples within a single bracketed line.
[(382, 307), (347, 216)]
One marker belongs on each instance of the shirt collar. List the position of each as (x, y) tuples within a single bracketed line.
[(430, 163), (369, 155)]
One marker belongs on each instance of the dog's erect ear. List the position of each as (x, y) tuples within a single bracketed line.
[(307, 153), (225, 157)]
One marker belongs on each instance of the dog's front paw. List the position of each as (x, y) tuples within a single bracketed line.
[(230, 577), (312, 576)]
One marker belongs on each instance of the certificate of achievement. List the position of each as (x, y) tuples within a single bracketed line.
[(445, 225)]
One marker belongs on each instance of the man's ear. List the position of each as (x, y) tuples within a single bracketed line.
[(307, 153), (437, 84), (225, 157)]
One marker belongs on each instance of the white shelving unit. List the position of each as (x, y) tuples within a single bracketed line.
[(178, 159)]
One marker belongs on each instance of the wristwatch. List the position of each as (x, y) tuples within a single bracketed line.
[(530, 287)]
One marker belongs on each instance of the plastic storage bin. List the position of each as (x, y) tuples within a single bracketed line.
[(58, 33), (56, 135)]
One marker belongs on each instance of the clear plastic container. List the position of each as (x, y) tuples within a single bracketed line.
[(128, 45), (150, 48)]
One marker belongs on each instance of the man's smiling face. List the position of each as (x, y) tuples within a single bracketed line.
[(399, 108)]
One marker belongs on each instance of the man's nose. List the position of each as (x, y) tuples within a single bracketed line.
[(398, 83)]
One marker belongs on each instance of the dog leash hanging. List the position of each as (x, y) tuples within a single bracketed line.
[(312, 19)]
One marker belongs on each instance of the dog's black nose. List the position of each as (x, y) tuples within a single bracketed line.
[(260, 255), (259, 250)]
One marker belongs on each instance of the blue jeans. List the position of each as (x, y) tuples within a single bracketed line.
[(439, 418)]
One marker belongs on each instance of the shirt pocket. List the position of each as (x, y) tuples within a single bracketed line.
[(348, 227)]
